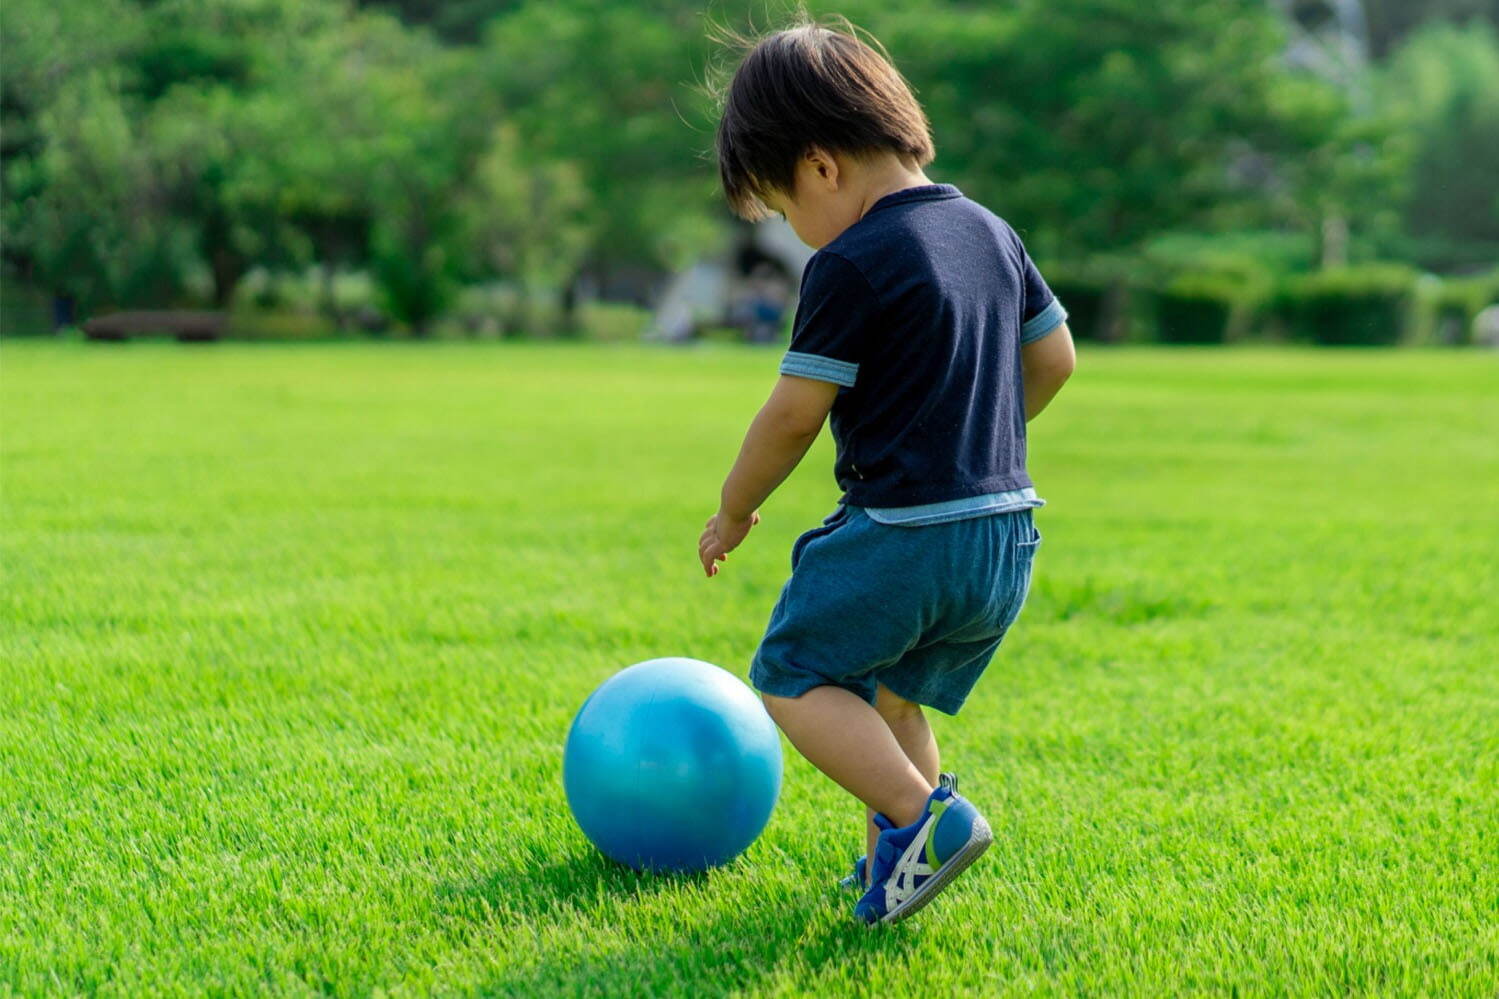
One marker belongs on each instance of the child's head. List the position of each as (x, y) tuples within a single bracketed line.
[(809, 109)]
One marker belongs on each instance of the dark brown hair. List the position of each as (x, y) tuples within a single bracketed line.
[(812, 85)]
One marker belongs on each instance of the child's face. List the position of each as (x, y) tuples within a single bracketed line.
[(823, 203)]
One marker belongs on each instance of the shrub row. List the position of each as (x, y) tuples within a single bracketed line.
[(1189, 298), (1371, 304)]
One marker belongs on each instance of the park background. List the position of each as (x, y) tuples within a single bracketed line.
[(1307, 170), (292, 625)]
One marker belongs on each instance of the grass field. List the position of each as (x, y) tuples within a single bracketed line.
[(291, 637)]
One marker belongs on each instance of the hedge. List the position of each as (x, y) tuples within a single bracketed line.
[(1365, 305), (1187, 316), (1084, 302)]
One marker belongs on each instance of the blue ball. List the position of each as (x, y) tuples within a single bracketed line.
[(672, 765)]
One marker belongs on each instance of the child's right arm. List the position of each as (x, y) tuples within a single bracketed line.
[(777, 440), (1045, 364)]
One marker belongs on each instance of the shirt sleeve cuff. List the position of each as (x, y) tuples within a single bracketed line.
[(823, 369), (1043, 322)]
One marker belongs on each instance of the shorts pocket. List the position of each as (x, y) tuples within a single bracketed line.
[(833, 521), (1014, 584)]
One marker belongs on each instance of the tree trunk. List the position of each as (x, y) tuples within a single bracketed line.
[(328, 301), (1113, 318), (1334, 240), (228, 268), (568, 323)]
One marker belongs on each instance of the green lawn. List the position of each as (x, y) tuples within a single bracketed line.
[(291, 637)]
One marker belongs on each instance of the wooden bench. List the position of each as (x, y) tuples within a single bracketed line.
[(186, 326)]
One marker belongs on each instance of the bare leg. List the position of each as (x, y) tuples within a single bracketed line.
[(909, 726), (849, 741)]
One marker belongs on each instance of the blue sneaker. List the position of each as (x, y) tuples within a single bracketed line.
[(913, 863)]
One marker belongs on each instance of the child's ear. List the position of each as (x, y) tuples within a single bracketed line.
[(824, 166)]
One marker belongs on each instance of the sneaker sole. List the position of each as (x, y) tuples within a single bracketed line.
[(978, 842)]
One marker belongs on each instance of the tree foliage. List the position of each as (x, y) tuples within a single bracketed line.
[(1096, 122), (1444, 87), (152, 152)]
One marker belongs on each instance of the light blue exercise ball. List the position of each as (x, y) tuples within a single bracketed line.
[(672, 765)]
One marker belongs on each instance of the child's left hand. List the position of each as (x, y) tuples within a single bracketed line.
[(722, 535)]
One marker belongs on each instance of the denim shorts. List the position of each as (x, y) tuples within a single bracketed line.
[(919, 609)]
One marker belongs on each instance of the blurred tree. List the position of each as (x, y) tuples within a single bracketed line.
[(150, 147), (1330, 169), (458, 21), (425, 137), (524, 218), (1390, 21), (615, 88), (373, 133), (1444, 86), (49, 43), (177, 73), (88, 211), (205, 67), (1095, 122), (1098, 123), (199, 151), (47, 48)]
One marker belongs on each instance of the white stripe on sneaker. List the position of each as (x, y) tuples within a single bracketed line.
[(902, 882)]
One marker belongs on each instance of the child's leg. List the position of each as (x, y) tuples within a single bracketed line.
[(914, 733), (845, 738)]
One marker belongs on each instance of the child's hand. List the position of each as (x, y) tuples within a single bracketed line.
[(722, 535)]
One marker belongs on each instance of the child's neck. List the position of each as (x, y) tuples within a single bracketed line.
[(884, 177)]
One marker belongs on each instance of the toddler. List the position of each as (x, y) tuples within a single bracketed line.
[(928, 339)]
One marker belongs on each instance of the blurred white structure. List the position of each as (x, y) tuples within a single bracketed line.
[(1329, 38), (1486, 328), (749, 284)]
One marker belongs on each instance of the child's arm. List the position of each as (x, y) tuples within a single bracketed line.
[(1044, 365), (780, 435)]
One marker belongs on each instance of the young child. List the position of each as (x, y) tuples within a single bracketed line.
[(928, 335)]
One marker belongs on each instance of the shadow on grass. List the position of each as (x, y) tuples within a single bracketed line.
[(603, 929), (549, 887)]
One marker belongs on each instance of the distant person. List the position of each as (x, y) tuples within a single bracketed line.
[(928, 335), (765, 305)]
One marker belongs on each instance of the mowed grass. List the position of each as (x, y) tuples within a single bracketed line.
[(291, 638)]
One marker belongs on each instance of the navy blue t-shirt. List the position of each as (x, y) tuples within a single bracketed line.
[(919, 311)]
